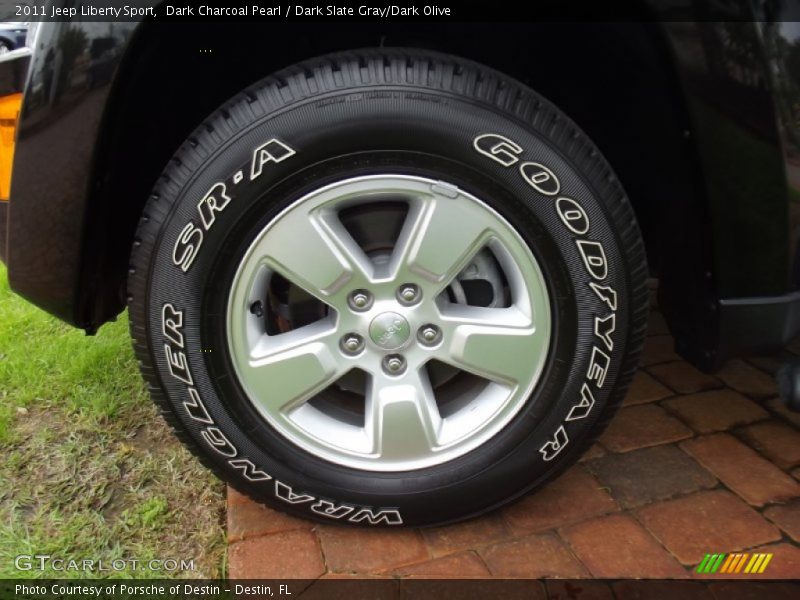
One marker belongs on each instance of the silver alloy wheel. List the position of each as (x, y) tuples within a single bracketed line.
[(405, 425)]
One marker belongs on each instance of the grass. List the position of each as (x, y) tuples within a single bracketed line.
[(89, 469)]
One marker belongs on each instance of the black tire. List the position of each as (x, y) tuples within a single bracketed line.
[(417, 113)]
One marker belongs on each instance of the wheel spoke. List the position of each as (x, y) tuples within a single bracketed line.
[(314, 251), (402, 419), (498, 344), (379, 411), (286, 370), (439, 238)]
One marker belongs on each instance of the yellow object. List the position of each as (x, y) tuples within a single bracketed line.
[(9, 117), (764, 564)]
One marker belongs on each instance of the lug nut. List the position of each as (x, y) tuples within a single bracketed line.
[(360, 300), (394, 364), (408, 294), (352, 343), (429, 335)]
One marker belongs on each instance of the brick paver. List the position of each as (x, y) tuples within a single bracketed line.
[(692, 464), (575, 496), (683, 378), (746, 379), (741, 469), (464, 564), (714, 521), (595, 451), (641, 426), (785, 563), (777, 407), (770, 364), (235, 497), (470, 534), (644, 476), (279, 556), (658, 349), (248, 519), (617, 546), (363, 550), (535, 556), (787, 517), (778, 442), (645, 389), (716, 410)]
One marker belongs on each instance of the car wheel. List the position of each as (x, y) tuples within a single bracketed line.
[(4, 48), (388, 287)]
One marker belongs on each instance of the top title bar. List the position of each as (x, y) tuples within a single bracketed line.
[(541, 10)]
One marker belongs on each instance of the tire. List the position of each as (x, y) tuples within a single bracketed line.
[(388, 287)]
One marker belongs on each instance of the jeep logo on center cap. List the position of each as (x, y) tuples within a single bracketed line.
[(389, 330)]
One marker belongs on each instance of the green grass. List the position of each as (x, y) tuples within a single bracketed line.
[(89, 469)]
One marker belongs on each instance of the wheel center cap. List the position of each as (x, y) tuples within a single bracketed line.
[(389, 330)]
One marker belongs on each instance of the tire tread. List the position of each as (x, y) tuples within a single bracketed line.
[(419, 68)]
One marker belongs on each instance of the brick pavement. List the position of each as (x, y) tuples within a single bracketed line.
[(692, 463)]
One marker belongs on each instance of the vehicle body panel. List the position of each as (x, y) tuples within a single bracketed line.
[(13, 34)]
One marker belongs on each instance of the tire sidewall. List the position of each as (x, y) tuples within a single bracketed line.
[(412, 131)]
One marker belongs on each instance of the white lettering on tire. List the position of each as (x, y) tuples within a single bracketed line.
[(195, 407), (272, 151), (572, 215), (606, 294), (576, 220), (554, 447), (187, 246), (584, 406), (217, 440), (285, 493), (329, 509), (497, 147), (540, 178), (172, 324), (390, 517), (604, 327), (594, 258), (598, 367), (249, 470), (217, 198)]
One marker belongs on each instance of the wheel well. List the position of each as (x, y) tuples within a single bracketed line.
[(615, 80)]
